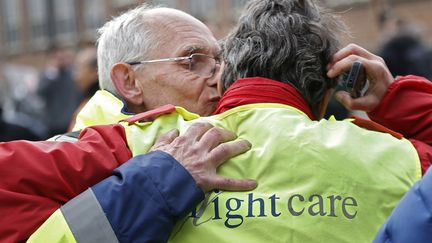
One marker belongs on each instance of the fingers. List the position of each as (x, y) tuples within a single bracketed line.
[(229, 184), (365, 103), (201, 150), (225, 151), (197, 130), (351, 49), (168, 137), (216, 136), (343, 65), (165, 139)]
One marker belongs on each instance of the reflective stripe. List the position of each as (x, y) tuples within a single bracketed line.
[(87, 220)]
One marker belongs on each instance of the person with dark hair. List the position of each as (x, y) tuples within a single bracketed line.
[(405, 54), (403, 49), (59, 93), (86, 77), (319, 180)]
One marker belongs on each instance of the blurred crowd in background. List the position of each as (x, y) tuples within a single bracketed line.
[(40, 100)]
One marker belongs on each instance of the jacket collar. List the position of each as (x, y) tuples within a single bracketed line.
[(262, 90)]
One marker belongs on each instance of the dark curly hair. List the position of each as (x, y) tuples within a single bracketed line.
[(290, 41)]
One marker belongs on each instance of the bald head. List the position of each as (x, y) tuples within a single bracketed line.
[(165, 16), (145, 34), (137, 35)]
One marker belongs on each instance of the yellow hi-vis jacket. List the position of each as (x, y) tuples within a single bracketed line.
[(318, 181)]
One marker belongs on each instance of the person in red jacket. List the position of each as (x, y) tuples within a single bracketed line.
[(45, 175), (402, 104), (39, 177)]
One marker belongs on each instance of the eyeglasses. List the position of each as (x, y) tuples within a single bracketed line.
[(201, 64)]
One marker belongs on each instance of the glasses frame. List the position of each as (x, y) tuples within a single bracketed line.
[(176, 59)]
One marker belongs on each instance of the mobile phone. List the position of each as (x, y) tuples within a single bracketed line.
[(356, 82)]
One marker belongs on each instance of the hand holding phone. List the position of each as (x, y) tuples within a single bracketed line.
[(356, 83), (378, 76)]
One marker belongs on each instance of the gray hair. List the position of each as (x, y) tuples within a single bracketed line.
[(290, 41), (128, 37)]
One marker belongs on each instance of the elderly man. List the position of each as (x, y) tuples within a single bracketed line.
[(150, 57), (63, 169), (320, 180)]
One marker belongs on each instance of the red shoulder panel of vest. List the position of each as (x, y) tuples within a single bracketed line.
[(151, 114), (373, 126)]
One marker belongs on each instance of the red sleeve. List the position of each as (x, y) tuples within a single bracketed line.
[(38, 177), (425, 154), (407, 108)]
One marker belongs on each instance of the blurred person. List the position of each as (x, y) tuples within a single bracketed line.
[(404, 105), (403, 49), (59, 92), (85, 71), (86, 76), (189, 80), (330, 174), (10, 131)]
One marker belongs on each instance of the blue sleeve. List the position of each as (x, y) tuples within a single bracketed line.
[(411, 220), (146, 196)]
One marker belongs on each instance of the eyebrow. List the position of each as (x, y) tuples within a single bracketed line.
[(193, 49)]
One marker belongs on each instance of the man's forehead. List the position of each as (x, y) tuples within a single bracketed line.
[(170, 14), (189, 34)]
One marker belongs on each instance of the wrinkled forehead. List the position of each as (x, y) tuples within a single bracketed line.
[(182, 33)]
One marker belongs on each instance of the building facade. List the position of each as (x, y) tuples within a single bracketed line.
[(29, 28)]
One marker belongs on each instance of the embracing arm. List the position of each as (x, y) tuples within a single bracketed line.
[(38, 177), (156, 190)]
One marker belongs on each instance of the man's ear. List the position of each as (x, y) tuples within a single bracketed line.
[(123, 77)]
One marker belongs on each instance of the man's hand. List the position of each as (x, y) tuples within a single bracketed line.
[(201, 150), (377, 72)]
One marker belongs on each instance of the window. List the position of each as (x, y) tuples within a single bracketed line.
[(37, 12), (10, 11), (94, 16), (65, 26)]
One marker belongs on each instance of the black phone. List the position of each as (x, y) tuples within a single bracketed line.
[(356, 82)]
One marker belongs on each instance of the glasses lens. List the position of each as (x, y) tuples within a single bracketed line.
[(203, 65)]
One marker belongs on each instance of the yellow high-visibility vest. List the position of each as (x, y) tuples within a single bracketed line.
[(318, 181)]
